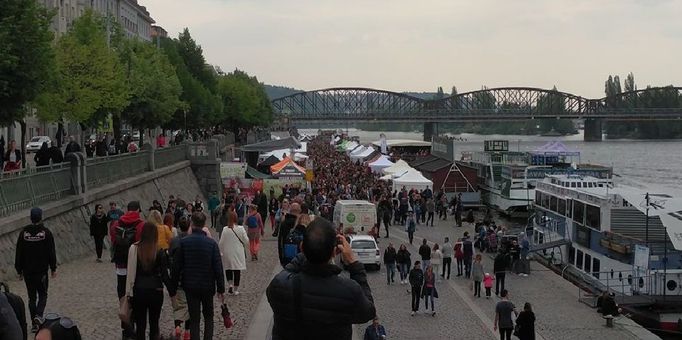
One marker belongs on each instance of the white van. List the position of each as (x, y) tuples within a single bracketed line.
[(361, 215)]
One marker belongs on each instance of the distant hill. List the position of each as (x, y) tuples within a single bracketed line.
[(421, 95), (274, 91)]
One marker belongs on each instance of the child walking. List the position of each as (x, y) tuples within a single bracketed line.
[(488, 284)]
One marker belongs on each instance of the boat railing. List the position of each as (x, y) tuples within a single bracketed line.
[(621, 283)]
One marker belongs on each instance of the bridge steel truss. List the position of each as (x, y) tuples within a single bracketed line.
[(508, 103)]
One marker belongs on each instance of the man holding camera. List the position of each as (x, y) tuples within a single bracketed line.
[(300, 295)]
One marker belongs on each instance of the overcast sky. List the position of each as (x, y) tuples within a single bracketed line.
[(417, 45)]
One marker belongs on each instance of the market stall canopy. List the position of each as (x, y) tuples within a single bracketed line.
[(399, 166), (271, 145), (412, 179), (271, 160), (366, 152), (380, 163), (253, 173), (287, 168), (281, 154), (360, 149)]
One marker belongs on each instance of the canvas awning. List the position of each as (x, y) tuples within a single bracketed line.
[(555, 148), (380, 163), (412, 179), (272, 160), (256, 174), (399, 166), (287, 167), (271, 145), (361, 155)]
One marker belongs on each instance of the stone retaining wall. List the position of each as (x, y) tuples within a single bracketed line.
[(69, 218)]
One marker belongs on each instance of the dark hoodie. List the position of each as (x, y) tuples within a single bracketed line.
[(35, 251), (130, 218), (329, 303), (42, 157), (285, 227)]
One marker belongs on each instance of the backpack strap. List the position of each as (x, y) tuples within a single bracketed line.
[(298, 297)]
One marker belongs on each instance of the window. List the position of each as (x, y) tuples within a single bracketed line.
[(569, 208), (579, 259), (595, 268), (579, 212), (553, 203), (538, 198), (545, 201), (363, 244), (571, 255), (593, 217), (582, 235), (572, 184), (562, 207), (588, 263)]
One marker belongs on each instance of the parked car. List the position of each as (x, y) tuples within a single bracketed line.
[(366, 249), (36, 142)]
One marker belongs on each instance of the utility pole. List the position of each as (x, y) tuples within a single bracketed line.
[(646, 230)]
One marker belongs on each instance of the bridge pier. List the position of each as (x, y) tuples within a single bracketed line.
[(593, 130), (430, 130)]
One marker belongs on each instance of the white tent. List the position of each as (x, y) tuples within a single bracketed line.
[(398, 167), (360, 149), (366, 152), (380, 163), (351, 145), (280, 155), (412, 179)]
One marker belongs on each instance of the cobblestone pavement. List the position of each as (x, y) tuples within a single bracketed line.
[(86, 292), (559, 314)]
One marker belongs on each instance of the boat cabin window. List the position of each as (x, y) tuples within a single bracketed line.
[(593, 217), (588, 263), (573, 185), (562, 207), (538, 198), (553, 203), (569, 208), (579, 259), (595, 268), (582, 235), (545, 200), (579, 212), (571, 255), (589, 185)]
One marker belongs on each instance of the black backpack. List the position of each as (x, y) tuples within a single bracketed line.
[(18, 306), (124, 238)]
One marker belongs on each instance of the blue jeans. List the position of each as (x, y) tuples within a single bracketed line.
[(390, 272), (430, 295), (404, 270)]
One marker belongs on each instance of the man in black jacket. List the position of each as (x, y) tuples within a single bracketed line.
[(284, 229), (425, 252), (500, 269), (35, 255), (416, 281), (197, 262), (310, 300), (389, 262)]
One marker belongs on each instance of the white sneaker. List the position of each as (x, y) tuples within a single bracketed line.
[(236, 293), (412, 314)]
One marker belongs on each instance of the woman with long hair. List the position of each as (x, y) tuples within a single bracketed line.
[(169, 221), (404, 261), (98, 229), (526, 323), (436, 258), (477, 275), (233, 241), (12, 157), (429, 289), (163, 231), (147, 274), (254, 223)]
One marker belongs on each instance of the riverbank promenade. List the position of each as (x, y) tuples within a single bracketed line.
[(86, 291)]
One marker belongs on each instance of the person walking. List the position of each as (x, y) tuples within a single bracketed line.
[(282, 232), (148, 273), (500, 270), (477, 275), (42, 156), (254, 223), (197, 265), (410, 226), (164, 232), (12, 157), (274, 209), (425, 253), (447, 251), (468, 254), (416, 278), (213, 203), (232, 246), (375, 331), (488, 284), (123, 232), (300, 294), (179, 304), (72, 146), (429, 290), (430, 210), (99, 226), (35, 254), (459, 256), (436, 258), (404, 261), (389, 262), (526, 323), (503, 316)]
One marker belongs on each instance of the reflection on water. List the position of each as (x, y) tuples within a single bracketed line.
[(637, 162)]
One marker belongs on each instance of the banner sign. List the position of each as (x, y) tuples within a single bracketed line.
[(232, 170)]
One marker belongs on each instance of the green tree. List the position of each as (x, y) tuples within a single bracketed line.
[(153, 84), (89, 83), (245, 102), (193, 56), (26, 58)]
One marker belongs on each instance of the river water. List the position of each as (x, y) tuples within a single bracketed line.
[(643, 163)]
